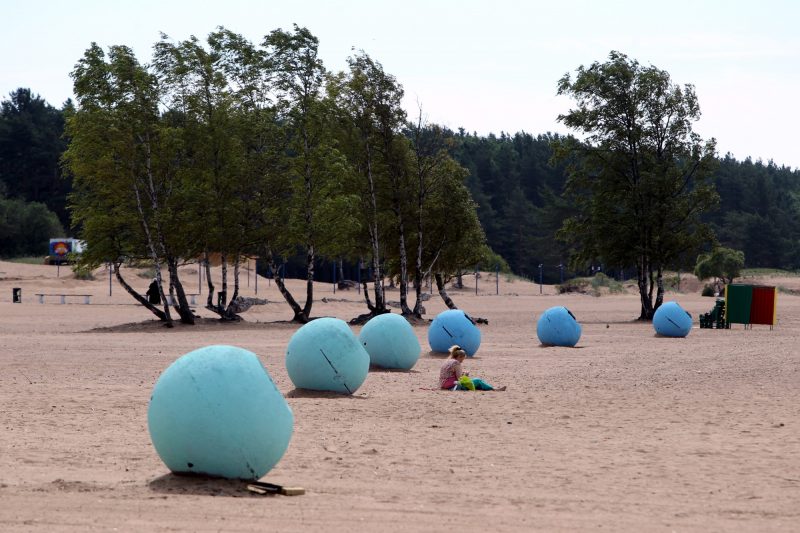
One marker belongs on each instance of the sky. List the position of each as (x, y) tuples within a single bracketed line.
[(488, 66)]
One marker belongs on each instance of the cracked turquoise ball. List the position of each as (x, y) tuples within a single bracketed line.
[(216, 411), (325, 355)]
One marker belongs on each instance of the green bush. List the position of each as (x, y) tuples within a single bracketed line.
[(708, 290), (579, 285), (82, 272), (26, 228), (601, 280), (672, 283)]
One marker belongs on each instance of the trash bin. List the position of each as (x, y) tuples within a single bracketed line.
[(17, 295)]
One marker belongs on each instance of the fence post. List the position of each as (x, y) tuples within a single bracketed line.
[(540, 278), (497, 278)]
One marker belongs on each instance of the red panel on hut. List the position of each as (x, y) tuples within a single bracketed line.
[(762, 310)]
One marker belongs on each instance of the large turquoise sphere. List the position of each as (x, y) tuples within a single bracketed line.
[(454, 327), (390, 342), (216, 411), (558, 327), (672, 320), (326, 355)]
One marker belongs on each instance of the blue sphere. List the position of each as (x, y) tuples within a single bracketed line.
[(325, 355), (454, 327), (558, 327), (672, 320), (216, 411), (390, 342)]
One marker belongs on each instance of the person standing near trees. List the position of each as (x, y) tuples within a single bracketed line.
[(153, 296)]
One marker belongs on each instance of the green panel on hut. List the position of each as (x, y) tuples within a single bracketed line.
[(738, 299)]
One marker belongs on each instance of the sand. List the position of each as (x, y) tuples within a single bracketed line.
[(626, 432)]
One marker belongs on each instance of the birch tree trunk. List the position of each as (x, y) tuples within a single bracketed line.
[(153, 254), (443, 292), (299, 316), (380, 302), (138, 297)]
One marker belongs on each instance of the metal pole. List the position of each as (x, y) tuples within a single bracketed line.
[(359, 276), (476, 280), (248, 271), (497, 279), (58, 269), (540, 278), (256, 277), (334, 277), (109, 279)]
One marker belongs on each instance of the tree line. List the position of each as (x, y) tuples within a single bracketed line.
[(758, 211), (232, 149)]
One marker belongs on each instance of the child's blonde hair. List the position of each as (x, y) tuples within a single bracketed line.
[(456, 351)]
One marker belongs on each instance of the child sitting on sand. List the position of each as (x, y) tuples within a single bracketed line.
[(452, 377)]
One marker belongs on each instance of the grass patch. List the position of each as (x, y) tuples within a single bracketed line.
[(596, 285), (758, 272), (511, 278), (35, 260), (148, 273), (600, 281), (82, 272), (786, 290)]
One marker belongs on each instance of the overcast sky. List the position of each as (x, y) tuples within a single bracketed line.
[(486, 66)]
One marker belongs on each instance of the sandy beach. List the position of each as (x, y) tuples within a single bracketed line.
[(626, 432)]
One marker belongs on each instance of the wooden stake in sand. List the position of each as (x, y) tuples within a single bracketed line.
[(262, 487)]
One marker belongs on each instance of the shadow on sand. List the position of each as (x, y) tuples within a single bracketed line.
[(307, 393), (200, 485)]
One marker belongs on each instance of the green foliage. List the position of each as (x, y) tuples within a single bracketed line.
[(26, 228), (708, 290), (721, 263), (595, 285), (759, 212), (492, 261), (639, 177), (671, 282), (752, 272), (601, 280), (82, 271), (25, 260), (517, 193), (31, 143), (251, 148), (147, 273)]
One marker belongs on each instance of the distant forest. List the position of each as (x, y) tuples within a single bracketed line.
[(515, 187)]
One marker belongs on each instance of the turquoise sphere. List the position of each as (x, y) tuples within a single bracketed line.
[(216, 411), (672, 320), (558, 327), (454, 327), (390, 342), (326, 355)]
